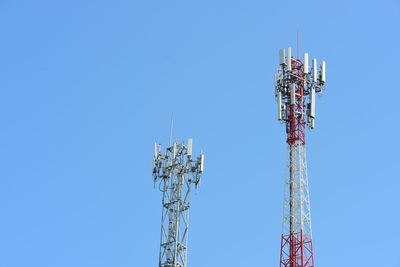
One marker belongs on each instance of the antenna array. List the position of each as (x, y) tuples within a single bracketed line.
[(294, 80)]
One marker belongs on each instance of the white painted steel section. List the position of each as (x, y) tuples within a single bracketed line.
[(296, 208)]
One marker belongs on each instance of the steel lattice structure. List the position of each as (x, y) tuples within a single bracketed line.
[(295, 90), (175, 171)]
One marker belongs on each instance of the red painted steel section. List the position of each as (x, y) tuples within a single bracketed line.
[(296, 123), (296, 250)]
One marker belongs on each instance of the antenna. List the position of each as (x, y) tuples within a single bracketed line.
[(170, 129), (305, 63), (189, 147), (298, 44), (292, 93), (323, 71), (289, 59), (279, 99), (282, 56), (314, 64)]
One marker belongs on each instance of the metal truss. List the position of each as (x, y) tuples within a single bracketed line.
[(296, 243)]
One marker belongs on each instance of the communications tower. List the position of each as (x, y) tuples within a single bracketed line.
[(175, 171), (296, 86)]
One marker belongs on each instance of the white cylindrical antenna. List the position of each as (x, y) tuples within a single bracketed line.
[(312, 103), (155, 155), (323, 67), (201, 162), (289, 59), (312, 125), (279, 99), (155, 149), (306, 70), (292, 93), (314, 65), (174, 150), (282, 56), (189, 147)]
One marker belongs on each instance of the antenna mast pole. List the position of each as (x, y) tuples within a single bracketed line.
[(295, 89), (298, 44), (175, 171)]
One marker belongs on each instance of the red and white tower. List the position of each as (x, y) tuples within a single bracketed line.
[(296, 86)]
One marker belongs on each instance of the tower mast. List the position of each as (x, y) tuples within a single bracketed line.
[(175, 171), (295, 90)]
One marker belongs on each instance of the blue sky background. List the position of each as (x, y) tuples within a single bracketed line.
[(88, 86)]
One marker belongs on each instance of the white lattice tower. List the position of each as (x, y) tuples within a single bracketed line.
[(175, 171)]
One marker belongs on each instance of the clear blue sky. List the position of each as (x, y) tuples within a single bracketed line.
[(86, 87)]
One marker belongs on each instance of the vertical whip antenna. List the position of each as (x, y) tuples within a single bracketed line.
[(298, 44), (171, 126)]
